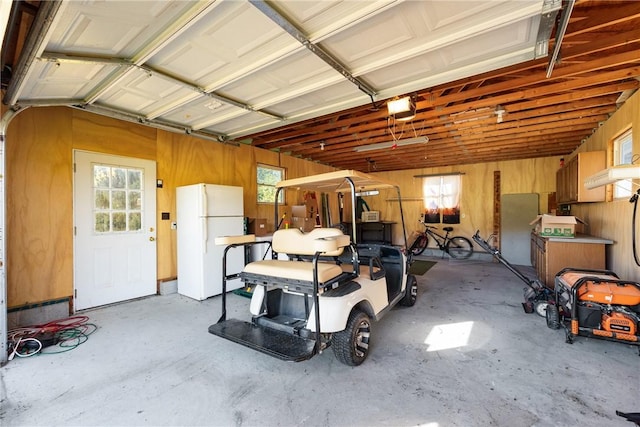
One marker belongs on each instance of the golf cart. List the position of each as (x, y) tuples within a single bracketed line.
[(353, 283)]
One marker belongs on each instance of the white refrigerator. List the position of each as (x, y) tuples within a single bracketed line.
[(204, 212)]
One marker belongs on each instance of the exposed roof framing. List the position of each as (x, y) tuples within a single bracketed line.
[(312, 78)]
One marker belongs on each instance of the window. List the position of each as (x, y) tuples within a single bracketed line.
[(117, 199), (268, 177), (442, 198), (622, 147)]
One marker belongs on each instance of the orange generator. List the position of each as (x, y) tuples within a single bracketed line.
[(595, 303)]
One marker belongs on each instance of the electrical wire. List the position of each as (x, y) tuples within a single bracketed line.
[(54, 337)]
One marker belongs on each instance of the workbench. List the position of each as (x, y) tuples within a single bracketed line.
[(549, 255)]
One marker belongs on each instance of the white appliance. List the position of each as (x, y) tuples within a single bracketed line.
[(204, 212)]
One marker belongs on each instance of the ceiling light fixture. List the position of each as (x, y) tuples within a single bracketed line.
[(500, 111), (213, 105), (611, 175), (392, 144), (368, 193), (402, 109)]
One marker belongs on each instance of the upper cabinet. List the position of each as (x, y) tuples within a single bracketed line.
[(570, 179)]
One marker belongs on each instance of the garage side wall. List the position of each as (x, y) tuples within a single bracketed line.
[(39, 188), (613, 219)]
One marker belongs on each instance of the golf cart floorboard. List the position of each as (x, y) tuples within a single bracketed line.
[(282, 345)]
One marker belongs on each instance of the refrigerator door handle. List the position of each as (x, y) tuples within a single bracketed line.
[(205, 234), (204, 206)]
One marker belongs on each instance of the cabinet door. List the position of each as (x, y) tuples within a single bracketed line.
[(590, 163), (538, 254), (375, 232), (570, 179), (561, 192)]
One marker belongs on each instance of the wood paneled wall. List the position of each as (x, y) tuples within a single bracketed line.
[(39, 180), (39, 206)]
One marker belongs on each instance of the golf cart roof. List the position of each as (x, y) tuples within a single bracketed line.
[(337, 181)]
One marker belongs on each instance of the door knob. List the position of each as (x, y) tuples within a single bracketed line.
[(152, 239)]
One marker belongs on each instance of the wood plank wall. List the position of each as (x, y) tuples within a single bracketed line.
[(39, 182), (613, 219), (39, 179)]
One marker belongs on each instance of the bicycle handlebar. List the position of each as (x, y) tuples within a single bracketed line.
[(427, 225)]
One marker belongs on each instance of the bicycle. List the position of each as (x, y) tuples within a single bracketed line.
[(457, 247)]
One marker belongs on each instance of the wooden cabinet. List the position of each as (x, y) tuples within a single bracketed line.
[(570, 179), (549, 255)]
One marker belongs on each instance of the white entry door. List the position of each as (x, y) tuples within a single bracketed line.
[(115, 229)]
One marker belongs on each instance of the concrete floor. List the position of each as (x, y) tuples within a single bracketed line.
[(152, 362)]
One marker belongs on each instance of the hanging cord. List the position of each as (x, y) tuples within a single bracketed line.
[(634, 200), (54, 337)]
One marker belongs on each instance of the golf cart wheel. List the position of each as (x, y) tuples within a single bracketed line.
[(540, 307), (459, 247), (351, 346), (553, 317), (411, 292), (419, 245)]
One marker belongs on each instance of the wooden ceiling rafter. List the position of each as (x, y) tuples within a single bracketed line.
[(478, 92), (534, 103), (586, 114)]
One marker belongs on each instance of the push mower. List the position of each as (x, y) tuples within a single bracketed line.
[(597, 304), (536, 296)]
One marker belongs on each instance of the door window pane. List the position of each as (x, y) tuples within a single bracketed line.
[(118, 199), (102, 199), (135, 221), (101, 176), (119, 221), (135, 200), (135, 179), (118, 178), (101, 222)]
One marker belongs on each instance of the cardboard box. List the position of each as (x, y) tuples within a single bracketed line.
[(257, 226), (299, 211), (556, 226), (300, 218)]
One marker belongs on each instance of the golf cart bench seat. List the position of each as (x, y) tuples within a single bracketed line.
[(330, 242)]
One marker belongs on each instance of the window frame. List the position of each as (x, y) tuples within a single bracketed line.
[(259, 184), (622, 146), (443, 201)]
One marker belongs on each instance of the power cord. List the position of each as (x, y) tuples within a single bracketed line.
[(634, 200), (54, 337)]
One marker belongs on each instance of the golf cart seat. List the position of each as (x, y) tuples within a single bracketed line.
[(299, 270)]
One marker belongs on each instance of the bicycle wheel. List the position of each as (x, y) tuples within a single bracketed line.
[(419, 245), (459, 247)]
